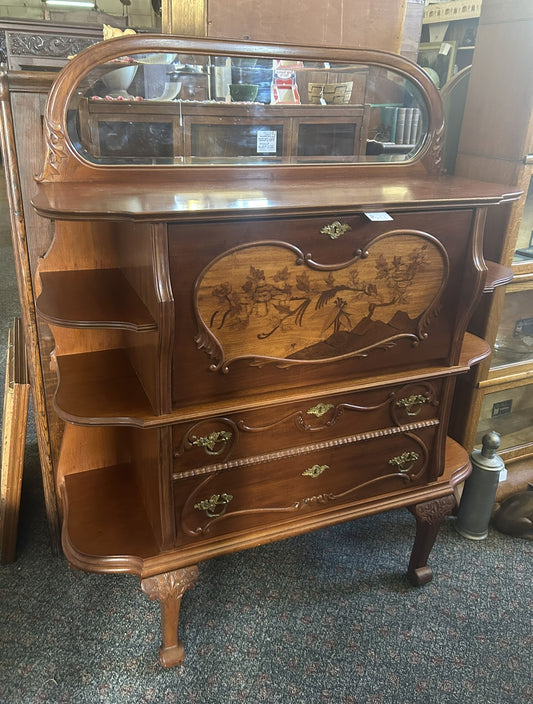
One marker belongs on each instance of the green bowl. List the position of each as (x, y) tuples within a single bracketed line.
[(243, 92)]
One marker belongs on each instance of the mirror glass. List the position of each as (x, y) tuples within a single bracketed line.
[(180, 109)]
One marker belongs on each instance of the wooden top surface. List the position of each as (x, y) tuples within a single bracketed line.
[(143, 197)]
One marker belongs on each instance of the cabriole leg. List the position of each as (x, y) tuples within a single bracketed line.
[(169, 588), (429, 516)]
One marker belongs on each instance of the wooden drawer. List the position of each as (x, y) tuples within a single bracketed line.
[(277, 303), (238, 440), (283, 489)]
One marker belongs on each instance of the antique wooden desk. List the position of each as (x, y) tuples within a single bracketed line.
[(247, 350)]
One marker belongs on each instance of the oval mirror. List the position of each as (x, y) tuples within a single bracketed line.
[(190, 109)]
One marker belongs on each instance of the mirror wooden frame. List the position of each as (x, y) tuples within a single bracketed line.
[(63, 156)]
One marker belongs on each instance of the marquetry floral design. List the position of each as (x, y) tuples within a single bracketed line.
[(281, 299), (264, 293)]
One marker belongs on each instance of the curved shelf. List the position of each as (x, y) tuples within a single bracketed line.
[(92, 299), (100, 388), (497, 275), (473, 351), (106, 527)]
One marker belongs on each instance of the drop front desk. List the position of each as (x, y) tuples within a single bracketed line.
[(250, 345)]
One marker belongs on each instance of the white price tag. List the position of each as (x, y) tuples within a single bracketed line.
[(267, 141), (377, 217)]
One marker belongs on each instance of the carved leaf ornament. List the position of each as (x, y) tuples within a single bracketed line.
[(270, 301)]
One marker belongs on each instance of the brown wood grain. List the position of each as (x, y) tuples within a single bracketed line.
[(378, 25), (128, 544), (14, 420), (22, 140), (96, 298)]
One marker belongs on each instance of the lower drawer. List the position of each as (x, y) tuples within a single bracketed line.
[(282, 488)]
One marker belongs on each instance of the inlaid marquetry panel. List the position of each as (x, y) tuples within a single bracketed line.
[(274, 303), (270, 300)]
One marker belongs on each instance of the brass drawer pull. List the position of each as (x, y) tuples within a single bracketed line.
[(412, 404), (209, 505), (315, 471), (405, 462), (210, 442), (335, 230), (320, 409)]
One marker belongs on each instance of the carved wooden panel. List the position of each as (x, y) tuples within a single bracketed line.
[(29, 44), (53, 45)]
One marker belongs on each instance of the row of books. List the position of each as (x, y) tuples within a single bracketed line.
[(401, 125)]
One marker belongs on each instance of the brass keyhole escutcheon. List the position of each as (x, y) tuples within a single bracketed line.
[(320, 409), (210, 505), (405, 462), (335, 230), (315, 471)]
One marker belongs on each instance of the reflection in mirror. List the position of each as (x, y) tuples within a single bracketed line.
[(163, 108)]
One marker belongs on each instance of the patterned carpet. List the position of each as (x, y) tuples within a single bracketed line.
[(319, 619), (326, 618)]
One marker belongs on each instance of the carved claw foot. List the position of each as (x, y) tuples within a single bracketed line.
[(429, 516), (169, 588)]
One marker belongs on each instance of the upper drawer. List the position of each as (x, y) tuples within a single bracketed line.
[(276, 303), (257, 437)]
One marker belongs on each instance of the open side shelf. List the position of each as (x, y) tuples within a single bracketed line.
[(92, 299), (105, 516), (101, 388), (497, 275)]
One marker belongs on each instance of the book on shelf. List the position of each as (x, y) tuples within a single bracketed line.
[(407, 126), (415, 126), (406, 138), (400, 125), (389, 114)]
